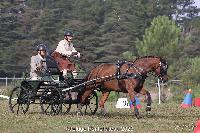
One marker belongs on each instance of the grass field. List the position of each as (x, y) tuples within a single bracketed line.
[(164, 118)]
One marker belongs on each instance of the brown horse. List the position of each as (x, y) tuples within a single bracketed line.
[(127, 77)]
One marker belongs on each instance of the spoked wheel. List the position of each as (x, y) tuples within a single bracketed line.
[(91, 104), (19, 100), (67, 102), (51, 101)]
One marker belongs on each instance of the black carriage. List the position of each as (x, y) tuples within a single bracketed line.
[(54, 95)]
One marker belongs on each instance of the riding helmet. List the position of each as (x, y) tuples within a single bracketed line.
[(41, 47), (68, 33)]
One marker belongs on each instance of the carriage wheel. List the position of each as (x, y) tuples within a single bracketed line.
[(67, 102), (91, 104), (19, 100), (51, 101)]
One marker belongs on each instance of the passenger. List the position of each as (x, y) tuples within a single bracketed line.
[(38, 63), (65, 49)]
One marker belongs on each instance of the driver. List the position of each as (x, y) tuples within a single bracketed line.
[(63, 52), (38, 63)]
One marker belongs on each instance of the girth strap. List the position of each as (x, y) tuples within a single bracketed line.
[(126, 75), (119, 65)]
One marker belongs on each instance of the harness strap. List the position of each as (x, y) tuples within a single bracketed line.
[(119, 65), (118, 73), (127, 75)]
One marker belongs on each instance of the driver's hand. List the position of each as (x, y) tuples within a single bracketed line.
[(39, 67), (78, 55), (74, 53)]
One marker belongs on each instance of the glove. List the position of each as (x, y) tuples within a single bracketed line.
[(78, 55), (39, 67), (74, 53)]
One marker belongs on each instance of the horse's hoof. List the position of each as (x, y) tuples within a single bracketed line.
[(138, 116), (148, 109), (103, 112), (79, 113)]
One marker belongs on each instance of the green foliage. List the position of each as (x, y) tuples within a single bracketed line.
[(104, 29), (190, 38), (185, 11), (113, 97), (187, 71), (160, 39), (128, 55), (192, 75)]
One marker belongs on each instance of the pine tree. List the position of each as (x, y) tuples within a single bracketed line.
[(160, 39)]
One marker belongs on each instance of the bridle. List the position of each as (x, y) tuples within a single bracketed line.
[(163, 69)]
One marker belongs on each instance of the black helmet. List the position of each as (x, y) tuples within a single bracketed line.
[(41, 47), (68, 33)]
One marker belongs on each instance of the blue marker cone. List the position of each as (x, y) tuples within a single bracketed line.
[(187, 102), (137, 101)]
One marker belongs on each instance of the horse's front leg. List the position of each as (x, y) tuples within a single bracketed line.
[(149, 101), (132, 97), (134, 107)]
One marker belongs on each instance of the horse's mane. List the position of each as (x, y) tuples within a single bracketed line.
[(151, 56)]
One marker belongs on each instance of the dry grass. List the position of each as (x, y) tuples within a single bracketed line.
[(164, 118), (2, 89)]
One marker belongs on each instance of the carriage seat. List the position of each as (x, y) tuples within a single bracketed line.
[(52, 66)]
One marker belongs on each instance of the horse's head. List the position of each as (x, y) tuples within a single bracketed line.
[(161, 70)]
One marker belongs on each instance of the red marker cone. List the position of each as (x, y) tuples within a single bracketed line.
[(187, 102), (137, 101)]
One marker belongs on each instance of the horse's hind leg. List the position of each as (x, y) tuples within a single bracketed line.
[(103, 99), (83, 99), (85, 95), (149, 101)]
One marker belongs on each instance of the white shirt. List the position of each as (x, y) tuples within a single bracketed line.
[(35, 62), (65, 48)]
